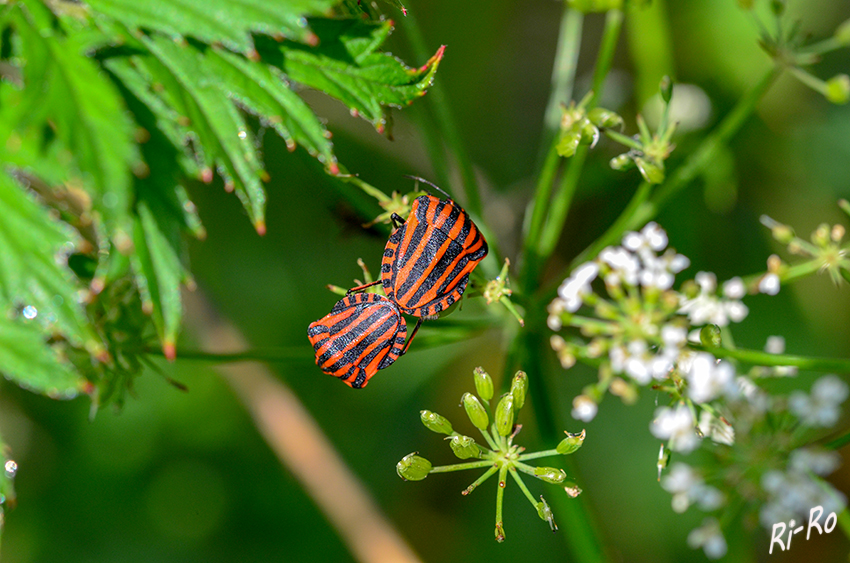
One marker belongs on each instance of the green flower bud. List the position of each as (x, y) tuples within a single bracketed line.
[(550, 474), (838, 89), (589, 133), (483, 383), (666, 88), (464, 447), (413, 468), (545, 513), (505, 415), (571, 443), (651, 172), (569, 142), (709, 336), (622, 162), (842, 34), (475, 411), (435, 422), (602, 117), (519, 389)]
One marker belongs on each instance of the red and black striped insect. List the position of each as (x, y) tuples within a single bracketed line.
[(364, 332), (428, 258)]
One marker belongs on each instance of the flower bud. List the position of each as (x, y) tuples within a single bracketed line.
[(842, 34), (464, 447), (709, 336), (435, 422), (505, 415), (550, 474), (602, 117), (838, 89), (650, 171), (413, 468), (622, 162), (569, 142), (475, 411), (519, 389), (589, 133), (571, 443), (483, 383), (545, 513), (666, 88)]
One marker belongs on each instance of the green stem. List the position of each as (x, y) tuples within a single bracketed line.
[(759, 358), (462, 466), (500, 495), (536, 455), (564, 70), (615, 232), (484, 476), (256, 355), (444, 118), (562, 199), (524, 489), (489, 439)]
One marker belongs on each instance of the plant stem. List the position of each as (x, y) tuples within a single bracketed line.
[(283, 354), (642, 208), (759, 358), (486, 475), (462, 466), (524, 489), (444, 118), (500, 495), (536, 455), (564, 70), (562, 199)]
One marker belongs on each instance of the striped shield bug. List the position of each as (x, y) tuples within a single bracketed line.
[(428, 258), (364, 332)]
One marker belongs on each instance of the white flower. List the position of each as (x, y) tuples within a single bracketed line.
[(734, 288), (775, 345), (584, 408), (651, 237), (769, 284), (708, 378), (710, 538), (715, 429), (577, 286), (821, 408), (679, 481), (623, 264), (819, 462), (677, 426), (707, 307)]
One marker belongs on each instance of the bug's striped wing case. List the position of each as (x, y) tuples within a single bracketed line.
[(363, 333), (427, 261)]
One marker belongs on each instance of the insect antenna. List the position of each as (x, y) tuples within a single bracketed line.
[(432, 184)]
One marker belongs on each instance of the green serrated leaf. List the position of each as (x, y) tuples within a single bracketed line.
[(159, 272), (260, 89), (27, 359), (31, 268), (67, 94), (229, 22), (347, 65), (226, 135)]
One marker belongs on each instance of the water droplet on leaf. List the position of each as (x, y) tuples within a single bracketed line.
[(11, 468), (30, 312)]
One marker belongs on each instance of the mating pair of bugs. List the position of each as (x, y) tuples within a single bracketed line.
[(425, 268)]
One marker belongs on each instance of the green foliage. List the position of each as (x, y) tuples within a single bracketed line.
[(108, 110)]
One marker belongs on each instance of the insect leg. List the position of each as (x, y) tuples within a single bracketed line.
[(412, 334), (362, 287)]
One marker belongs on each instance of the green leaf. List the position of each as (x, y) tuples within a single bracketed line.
[(347, 65), (261, 90), (220, 126), (66, 94), (29, 361), (32, 269), (229, 22), (159, 272)]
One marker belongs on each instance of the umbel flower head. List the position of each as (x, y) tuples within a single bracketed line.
[(498, 428)]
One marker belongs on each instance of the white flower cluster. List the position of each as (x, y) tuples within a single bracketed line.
[(637, 262), (677, 426), (688, 487), (709, 308), (710, 538), (822, 407), (794, 492)]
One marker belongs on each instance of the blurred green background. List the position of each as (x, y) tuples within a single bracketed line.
[(186, 477)]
